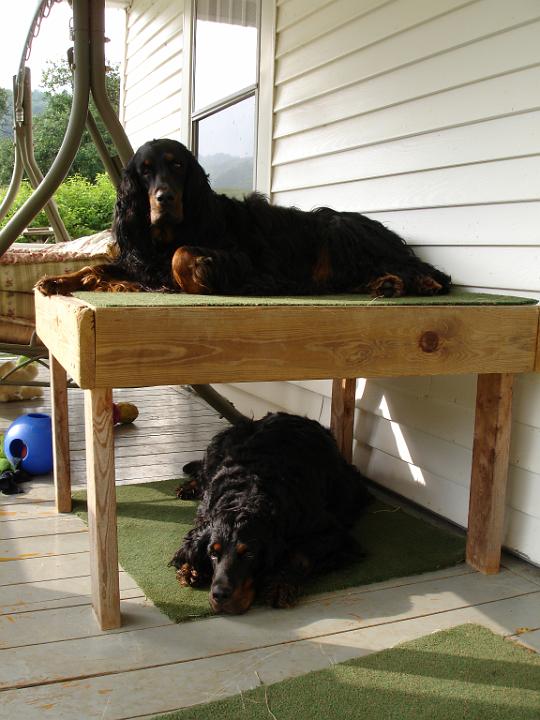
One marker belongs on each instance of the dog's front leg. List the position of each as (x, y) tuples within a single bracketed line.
[(97, 278), (193, 566), (203, 271)]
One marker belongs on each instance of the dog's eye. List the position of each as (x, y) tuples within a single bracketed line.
[(146, 170), (215, 551), (241, 549), (177, 164)]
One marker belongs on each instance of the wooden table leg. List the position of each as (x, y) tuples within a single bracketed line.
[(102, 507), (342, 414), (489, 471), (62, 473)]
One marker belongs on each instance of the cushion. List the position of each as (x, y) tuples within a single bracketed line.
[(17, 305), (25, 263)]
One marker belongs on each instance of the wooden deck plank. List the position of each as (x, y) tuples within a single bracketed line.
[(33, 527), (26, 507), (55, 567), (45, 546), (34, 591), (73, 622), (350, 610), (161, 689), (21, 607)]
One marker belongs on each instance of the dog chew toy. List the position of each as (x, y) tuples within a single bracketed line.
[(28, 443), (124, 413)]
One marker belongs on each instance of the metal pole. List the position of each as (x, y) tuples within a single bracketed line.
[(97, 82), (14, 185), (25, 140), (72, 138), (111, 164)]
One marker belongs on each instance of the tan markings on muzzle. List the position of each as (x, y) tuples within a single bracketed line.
[(239, 602), (175, 210)]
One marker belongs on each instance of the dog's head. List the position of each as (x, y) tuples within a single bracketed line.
[(161, 167), (160, 187), (237, 551)]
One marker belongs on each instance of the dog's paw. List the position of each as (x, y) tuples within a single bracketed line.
[(53, 285), (190, 490), (187, 576), (281, 594), (387, 286), (426, 285)]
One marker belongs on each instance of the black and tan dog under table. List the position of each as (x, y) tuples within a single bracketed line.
[(105, 341)]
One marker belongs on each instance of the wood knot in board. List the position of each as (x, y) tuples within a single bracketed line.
[(429, 341)]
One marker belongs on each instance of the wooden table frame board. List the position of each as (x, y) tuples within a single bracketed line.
[(104, 348)]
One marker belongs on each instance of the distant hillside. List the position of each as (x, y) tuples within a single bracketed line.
[(39, 103), (229, 174)]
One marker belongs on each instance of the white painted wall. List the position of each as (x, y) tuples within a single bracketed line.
[(152, 80), (424, 114)]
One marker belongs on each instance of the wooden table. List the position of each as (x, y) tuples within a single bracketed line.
[(111, 347)]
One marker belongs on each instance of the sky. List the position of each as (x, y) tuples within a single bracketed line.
[(52, 41)]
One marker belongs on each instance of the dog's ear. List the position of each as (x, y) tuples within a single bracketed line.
[(131, 222), (196, 547), (197, 191)]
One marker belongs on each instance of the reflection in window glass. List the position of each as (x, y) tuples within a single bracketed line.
[(225, 49), (226, 142)]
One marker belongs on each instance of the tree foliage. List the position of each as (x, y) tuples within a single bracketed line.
[(85, 207), (50, 125), (4, 102), (86, 198)]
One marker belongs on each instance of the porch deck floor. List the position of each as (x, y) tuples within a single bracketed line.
[(55, 662)]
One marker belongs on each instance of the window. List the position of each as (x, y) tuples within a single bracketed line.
[(225, 92)]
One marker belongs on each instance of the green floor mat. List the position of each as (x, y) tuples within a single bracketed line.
[(466, 673), (152, 523)]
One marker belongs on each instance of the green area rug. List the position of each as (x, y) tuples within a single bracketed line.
[(152, 523), (455, 297), (466, 673)]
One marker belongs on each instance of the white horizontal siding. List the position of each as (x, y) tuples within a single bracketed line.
[(497, 55), (501, 224), (511, 180), (152, 93), (508, 137), (503, 268), (479, 101)]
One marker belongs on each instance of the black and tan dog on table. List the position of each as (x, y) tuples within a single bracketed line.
[(175, 233)]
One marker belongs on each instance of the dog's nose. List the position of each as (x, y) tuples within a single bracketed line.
[(221, 592), (164, 196)]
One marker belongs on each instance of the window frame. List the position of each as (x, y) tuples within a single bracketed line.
[(261, 90)]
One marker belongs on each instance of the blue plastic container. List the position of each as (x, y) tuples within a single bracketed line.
[(28, 440)]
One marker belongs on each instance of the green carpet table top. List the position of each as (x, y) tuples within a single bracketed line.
[(455, 297)]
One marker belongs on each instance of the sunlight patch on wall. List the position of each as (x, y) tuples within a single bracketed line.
[(401, 444)]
